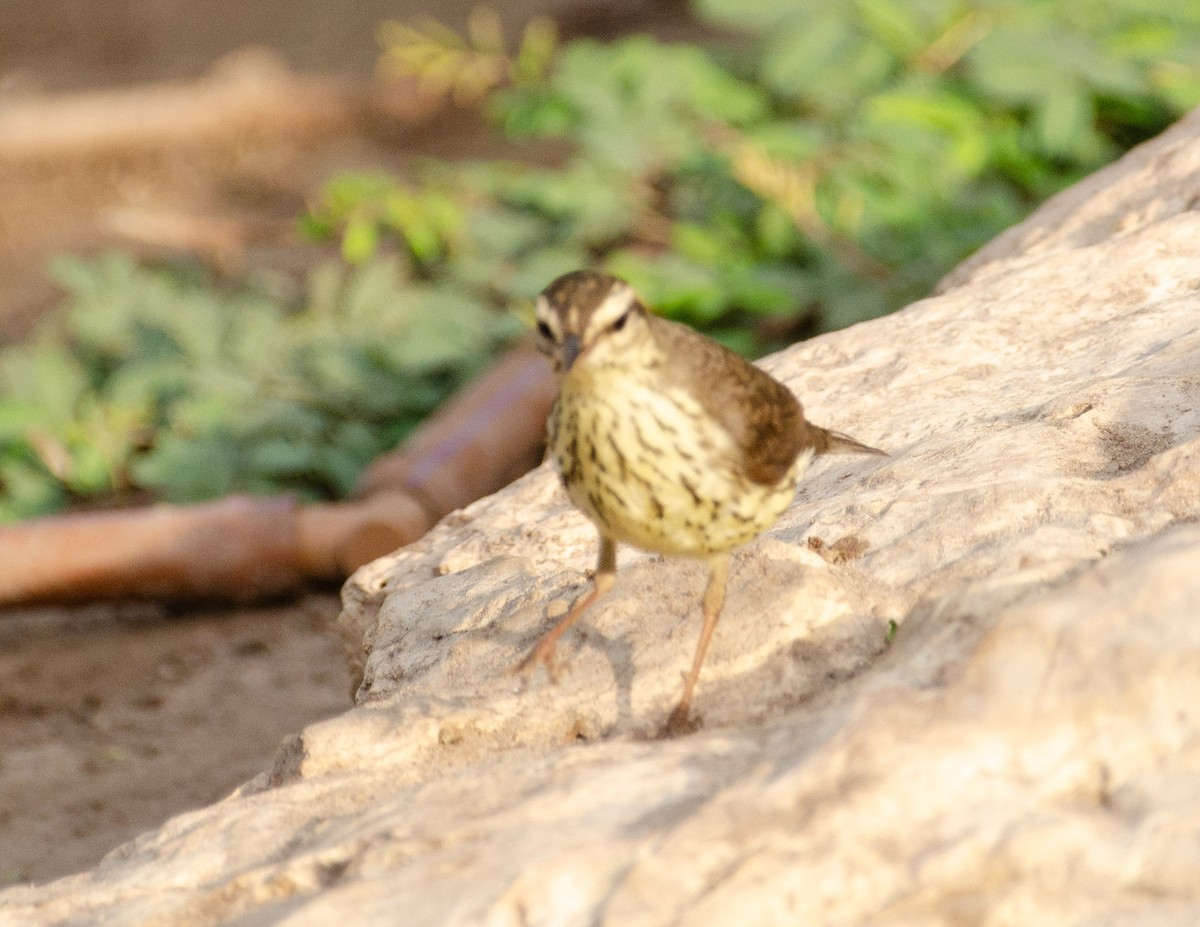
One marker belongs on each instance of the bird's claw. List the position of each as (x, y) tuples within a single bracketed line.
[(680, 722), (543, 654)]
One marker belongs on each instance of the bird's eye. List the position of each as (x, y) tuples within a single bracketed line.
[(620, 323), (544, 331)]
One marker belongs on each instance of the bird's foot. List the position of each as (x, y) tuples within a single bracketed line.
[(542, 654), (680, 722)]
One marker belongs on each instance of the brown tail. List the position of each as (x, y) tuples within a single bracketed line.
[(826, 441)]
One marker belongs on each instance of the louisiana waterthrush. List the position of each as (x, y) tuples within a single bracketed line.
[(667, 441)]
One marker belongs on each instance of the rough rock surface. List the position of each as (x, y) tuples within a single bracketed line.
[(1023, 750)]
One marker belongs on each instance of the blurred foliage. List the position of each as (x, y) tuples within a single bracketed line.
[(466, 66), (827, 167), (151, 380)]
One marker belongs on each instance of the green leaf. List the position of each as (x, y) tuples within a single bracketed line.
[(450, 331), (282, 457), (824, 60), (895, 25), (182, 469), (360, 240), (534, 112), (27, 491), (17, 417), (1016, 66), (1063, 121), (45, 373)]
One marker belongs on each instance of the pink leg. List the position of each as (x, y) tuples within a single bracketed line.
[(543, 651), (714, 598)]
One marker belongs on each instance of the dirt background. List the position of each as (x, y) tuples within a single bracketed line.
[(115, 717)]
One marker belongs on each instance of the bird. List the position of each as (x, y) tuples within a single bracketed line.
[(668, 442)]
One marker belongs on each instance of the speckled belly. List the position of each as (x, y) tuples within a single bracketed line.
[(651, 470)]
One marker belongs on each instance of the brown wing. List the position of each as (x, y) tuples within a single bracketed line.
[(761, 415)]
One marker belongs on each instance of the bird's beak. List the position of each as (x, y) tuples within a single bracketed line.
[(572, 347)]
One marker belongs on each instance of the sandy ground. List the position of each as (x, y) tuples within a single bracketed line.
[(113, 719)]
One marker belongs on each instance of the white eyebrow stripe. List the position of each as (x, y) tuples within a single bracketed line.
[(544, 313), (615, 305)]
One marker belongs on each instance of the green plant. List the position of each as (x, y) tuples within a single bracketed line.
[(151, 380), (828, 170), (467, 67)]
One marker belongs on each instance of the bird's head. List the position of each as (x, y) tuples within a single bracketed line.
[(586, 317)]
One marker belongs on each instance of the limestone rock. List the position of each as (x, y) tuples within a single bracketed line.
[(1021, 747)]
